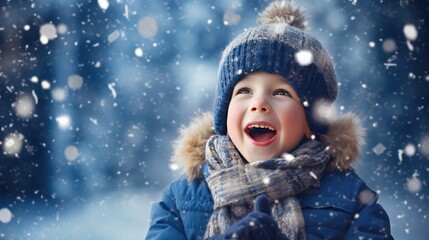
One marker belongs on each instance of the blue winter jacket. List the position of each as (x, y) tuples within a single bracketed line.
[(343, 207)]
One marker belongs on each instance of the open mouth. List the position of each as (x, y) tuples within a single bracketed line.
[(260, 133)]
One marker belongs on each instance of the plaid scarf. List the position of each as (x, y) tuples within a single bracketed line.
[(235, 184)]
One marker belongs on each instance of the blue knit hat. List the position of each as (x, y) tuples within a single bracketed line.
[(279, 45)]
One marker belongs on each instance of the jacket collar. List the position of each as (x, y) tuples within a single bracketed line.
[(344, 138)]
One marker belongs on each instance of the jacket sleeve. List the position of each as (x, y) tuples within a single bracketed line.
[(371, 221), (165, 220)]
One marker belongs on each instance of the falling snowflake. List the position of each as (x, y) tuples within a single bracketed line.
[(288, 157), (103, 4), (112, 89), (266, 180), (410, 32), (5, 215), (71, 153), (379, 149), (304, 57)]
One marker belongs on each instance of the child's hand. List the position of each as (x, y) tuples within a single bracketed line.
[(258, 224)]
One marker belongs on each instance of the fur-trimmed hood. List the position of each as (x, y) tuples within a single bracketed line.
[(344, 138)]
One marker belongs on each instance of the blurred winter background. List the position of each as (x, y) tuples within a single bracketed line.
[(92, 94)]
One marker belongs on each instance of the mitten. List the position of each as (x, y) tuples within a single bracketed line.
[(258, 224)]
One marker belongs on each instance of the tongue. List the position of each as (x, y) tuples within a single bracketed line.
[(262, 137)]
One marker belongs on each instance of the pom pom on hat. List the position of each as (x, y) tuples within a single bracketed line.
[(283, 13), (275, 46)]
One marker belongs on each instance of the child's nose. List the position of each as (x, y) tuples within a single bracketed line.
[(260, 105)]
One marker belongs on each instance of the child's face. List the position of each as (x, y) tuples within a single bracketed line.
[(265, 117)]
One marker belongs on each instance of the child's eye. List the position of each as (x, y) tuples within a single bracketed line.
[(244, 91), (282, 92)]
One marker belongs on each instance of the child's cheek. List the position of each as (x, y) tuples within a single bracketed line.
[(233, 119), (292, 115)]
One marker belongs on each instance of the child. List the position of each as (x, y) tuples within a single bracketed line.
[(273, 168)]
